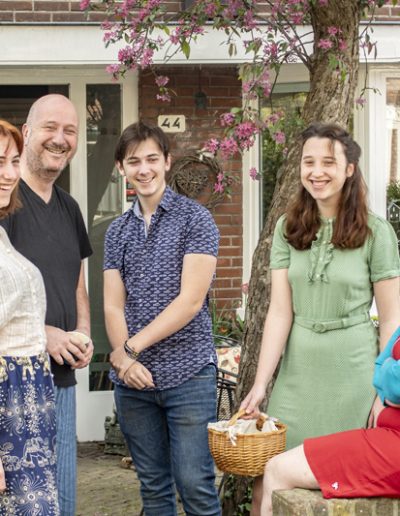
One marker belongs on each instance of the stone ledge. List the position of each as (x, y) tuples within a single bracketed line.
[(302, 502)]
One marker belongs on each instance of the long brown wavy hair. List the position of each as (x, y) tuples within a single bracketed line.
[(9, 131), (351, 225)]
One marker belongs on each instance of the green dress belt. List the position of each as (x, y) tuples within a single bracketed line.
[(336, 324)]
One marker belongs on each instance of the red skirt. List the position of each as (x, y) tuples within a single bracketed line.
[(358, 463)]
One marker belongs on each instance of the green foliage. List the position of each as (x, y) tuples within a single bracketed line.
[(273, 153), (226, 323), (243, 508), (393, 191)]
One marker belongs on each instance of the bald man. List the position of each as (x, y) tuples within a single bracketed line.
[(49, 230)]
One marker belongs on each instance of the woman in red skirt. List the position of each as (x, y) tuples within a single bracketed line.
[(356, 463)]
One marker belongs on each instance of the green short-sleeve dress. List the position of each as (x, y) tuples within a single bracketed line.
[(325, 380)]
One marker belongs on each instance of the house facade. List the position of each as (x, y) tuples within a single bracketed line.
[(50, 46)]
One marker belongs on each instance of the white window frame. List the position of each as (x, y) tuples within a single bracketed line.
[(370, 132)]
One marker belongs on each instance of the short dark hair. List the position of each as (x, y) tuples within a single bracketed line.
[(8, 130), (137, 133)]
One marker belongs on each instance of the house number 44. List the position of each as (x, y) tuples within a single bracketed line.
[(172, 123)]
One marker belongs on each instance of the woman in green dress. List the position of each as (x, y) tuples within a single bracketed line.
[(330, 257)]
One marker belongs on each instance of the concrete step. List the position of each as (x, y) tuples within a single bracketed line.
[(302, 502)]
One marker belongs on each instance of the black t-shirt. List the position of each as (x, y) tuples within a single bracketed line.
[(53, 237)]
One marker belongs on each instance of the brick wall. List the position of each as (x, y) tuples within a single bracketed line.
[(222, 88), (51, 11)]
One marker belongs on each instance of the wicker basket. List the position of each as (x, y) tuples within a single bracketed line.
[(251, 453)]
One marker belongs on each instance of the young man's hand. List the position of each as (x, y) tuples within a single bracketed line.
[(120, 362), (138, 376)]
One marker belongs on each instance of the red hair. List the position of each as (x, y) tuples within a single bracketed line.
[(9, 131)]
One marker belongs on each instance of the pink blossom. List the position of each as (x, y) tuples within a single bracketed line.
[(227, 119), (247, 86), (164, 97), (229, 147), (219, 188), (361, 101), (220, 177), (325, 44), (245, 130), (279, 137), (332, 31), (162, 80), (84, 4), (249, 20), (253, 173), (147, 57), (114, 70), (323, 2), (212, 145), (245, 288), (342, 45), (210, 9), (274, 118), (297, 18)]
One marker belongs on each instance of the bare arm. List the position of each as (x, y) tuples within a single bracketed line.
[(114, 305), (59, 345), (82, 304), (276, 331), (83, 319), (387, 297), (388, 304)]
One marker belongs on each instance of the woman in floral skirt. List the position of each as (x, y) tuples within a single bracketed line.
[(27, 410)]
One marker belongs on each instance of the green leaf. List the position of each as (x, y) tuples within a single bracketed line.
[(185, 47)]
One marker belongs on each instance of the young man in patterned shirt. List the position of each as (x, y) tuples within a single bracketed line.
[(160, 258)]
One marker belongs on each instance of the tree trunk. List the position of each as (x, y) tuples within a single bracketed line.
[(330, 99)]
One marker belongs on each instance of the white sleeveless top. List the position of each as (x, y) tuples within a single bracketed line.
[(22, 303)]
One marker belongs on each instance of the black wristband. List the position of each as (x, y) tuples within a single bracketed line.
[(134, 355)]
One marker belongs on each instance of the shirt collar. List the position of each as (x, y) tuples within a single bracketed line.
[(166, 202)]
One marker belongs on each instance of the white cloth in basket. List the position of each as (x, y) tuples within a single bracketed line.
[(243, 426)]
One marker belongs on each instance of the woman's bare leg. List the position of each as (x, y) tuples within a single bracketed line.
[(257, 496), (286, 471)]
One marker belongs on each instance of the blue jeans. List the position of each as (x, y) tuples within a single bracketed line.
[(66, 449), (166, 432)]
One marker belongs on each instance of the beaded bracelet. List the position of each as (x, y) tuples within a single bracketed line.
[(134, 355)]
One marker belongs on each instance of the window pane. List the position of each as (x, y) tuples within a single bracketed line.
[(393, 149), (103, 104), (288, 99)]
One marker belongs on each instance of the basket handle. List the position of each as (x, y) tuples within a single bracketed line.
[(259, 423)]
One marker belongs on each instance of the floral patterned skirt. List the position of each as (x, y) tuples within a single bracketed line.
[(27, 436)]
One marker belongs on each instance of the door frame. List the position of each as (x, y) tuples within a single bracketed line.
[(92, 406)]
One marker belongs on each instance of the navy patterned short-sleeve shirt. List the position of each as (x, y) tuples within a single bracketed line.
[(150, 263)]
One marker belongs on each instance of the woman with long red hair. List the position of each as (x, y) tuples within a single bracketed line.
[(330, 257), (27, 408)]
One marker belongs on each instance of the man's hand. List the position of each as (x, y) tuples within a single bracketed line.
[(60, 347), (138, 376), (88, 352)]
